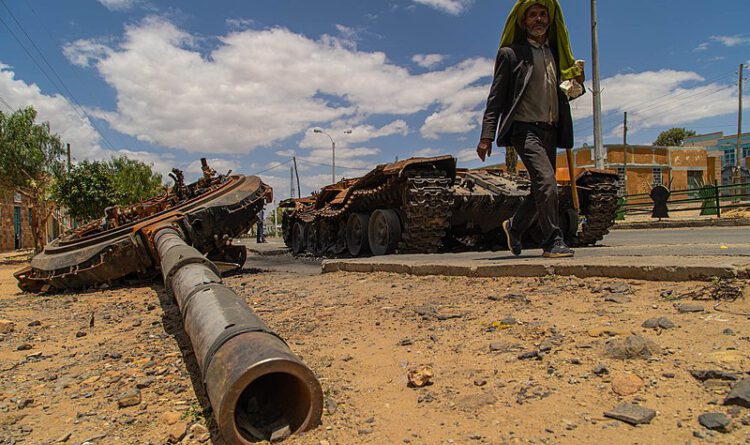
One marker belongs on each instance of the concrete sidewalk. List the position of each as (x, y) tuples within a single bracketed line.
[(501, 264)]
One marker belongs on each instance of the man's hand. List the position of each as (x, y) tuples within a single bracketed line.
[(484, 148), (582, 78)]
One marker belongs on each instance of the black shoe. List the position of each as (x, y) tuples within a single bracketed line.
[(514, 244), (558, 250)]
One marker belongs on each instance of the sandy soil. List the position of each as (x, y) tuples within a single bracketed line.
[(361, 334)]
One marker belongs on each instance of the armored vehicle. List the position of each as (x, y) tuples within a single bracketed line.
[(213, 210), (427, 205)]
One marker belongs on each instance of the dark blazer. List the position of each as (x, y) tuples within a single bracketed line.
[(513, 67)]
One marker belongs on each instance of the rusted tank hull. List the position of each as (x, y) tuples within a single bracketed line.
[(91, 256), (427, 205), (257, 387)]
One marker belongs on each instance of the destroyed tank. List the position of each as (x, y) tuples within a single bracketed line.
[(212, 211), (425, 205)]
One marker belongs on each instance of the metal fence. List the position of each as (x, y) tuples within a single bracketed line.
[(708, 199)]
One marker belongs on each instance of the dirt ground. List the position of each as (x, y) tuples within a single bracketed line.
[(515, 360)]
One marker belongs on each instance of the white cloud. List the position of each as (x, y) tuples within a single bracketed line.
[(118, 5), (346, 135), (467, 155), (64, 120), (658, 98), (249, 93), (85, 52), (427, 60), (222, 166), (702, 47), (453, 7), (427, 153), (735, 40)]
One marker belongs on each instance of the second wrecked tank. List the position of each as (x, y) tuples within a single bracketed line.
[(424, 205)]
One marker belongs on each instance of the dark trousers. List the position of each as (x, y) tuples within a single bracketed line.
[(536, 147)]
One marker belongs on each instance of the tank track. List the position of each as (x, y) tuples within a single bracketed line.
[(427, 210), (600, 213)]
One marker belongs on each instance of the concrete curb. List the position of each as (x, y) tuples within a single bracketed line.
[(725, 222), (647, 272)]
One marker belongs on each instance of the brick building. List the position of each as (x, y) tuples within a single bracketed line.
[(15, 221), (646, 165)]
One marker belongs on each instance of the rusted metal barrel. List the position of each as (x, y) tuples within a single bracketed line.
[(258, 388)]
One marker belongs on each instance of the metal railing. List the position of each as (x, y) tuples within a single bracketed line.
[(708, 199)]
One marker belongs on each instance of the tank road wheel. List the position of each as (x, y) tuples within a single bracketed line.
[(356, 234), (384, 231), (569, 225), (299, 243)]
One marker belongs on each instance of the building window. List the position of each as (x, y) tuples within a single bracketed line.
[(730, 155), (657, 176), (29, 216), (746, 152)]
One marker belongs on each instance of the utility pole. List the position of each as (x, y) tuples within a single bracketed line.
[(296, 172), (69, 166), (291, 182), (625, 153), (738, 158), (598, 138)]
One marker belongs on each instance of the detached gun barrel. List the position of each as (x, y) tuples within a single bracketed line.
[(258, 389)]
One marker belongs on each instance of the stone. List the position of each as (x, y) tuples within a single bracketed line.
[(607, 331), (631, 347), (406, 342), (420, 377), (600, 369), (35, 323), (24, 347), (626, 384), (715, 422), (509, 321), (331, 405), (80, 334), (280, 434), (504, 347), (129, 399), (728, 331), (449, 316), (171, 417), (689, 308), (713, 374), (530, 355), (176, 432), (7, 326), (658, 323), (740, 394), (632, 414), (617, 298)]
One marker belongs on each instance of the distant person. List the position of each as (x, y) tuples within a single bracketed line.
[(535, 77), (260, 237)]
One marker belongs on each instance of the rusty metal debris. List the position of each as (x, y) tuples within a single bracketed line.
[(427, 204), (212, 210), (258, 389)]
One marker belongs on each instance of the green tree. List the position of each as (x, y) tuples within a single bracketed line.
[(87, 190), (674, 137), (30, 161), (92, 186), (134, 180)]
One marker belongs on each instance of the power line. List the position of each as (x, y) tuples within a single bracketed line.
[(77, 107), (329, 165), (7, 104), (273, 167)]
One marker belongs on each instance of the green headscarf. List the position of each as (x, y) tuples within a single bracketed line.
[(558, 33)]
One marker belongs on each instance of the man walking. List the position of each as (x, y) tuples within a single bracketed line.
[(533, 113)]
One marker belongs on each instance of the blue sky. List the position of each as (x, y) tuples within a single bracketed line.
[(244, 83)]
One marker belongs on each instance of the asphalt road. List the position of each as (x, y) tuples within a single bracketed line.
[(705, 244), (700, 241)]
